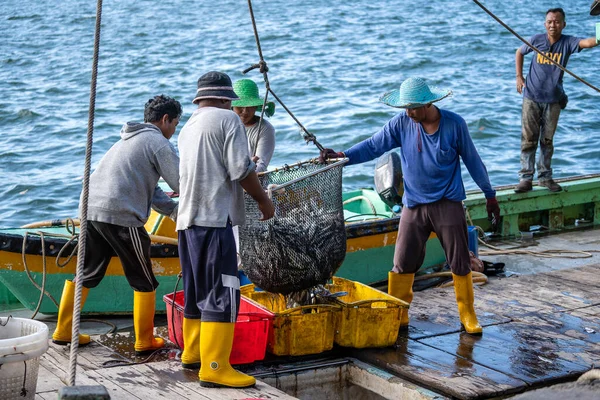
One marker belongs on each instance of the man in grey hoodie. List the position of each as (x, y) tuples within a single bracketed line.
[(122, 190)]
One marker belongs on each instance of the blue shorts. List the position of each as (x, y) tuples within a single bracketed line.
[(208, 259)]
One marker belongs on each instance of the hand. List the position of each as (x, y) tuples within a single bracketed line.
[(520, 84), (255, 159), (326, 154), (173, 214), (493, 210), (267, 209)]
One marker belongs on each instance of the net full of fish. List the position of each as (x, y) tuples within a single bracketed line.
[(304, 244)]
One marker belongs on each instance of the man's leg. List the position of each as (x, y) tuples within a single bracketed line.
[(97, 256), (219, 299), (413, 232), (550, 116), (132, 246), (190, 357), (531, 115), (450, 224)]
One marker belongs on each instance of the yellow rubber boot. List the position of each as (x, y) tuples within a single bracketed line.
[(64, 327), (463, 286), (190, 357), (144, 304), (400, 286), (216, 342)]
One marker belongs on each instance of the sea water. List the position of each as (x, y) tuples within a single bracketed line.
[(329, 63)]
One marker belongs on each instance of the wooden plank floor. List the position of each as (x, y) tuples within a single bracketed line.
[(538, 329), (163, 379)]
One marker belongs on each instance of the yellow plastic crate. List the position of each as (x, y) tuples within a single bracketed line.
[(369, 317), (296, 331)]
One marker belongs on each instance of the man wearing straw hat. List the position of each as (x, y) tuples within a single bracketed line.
[(214, 160), (432, 141)]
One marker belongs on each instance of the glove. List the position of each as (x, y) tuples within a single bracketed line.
[(326, 154), (493, 210)]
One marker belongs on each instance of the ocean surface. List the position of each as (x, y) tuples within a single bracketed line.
[(329, 62)]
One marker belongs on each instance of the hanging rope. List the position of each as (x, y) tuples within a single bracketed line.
[(42, 288), (533, 47), (84, 200), (263, 68)]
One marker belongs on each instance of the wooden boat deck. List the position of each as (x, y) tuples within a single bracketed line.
[(540, 328)]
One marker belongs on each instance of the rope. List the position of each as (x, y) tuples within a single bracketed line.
[(550, 253), (263, 68), (533, 47), (84, 202), (125, 363), (42, 288), (478, 278)]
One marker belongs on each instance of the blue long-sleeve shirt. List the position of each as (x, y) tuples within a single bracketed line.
[(430, 162)]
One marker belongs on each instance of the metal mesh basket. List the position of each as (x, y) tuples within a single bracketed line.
[(304, 244)]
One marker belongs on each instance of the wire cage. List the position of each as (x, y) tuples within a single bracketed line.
[(304, 244)]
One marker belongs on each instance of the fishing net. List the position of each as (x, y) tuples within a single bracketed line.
[(304, 244)]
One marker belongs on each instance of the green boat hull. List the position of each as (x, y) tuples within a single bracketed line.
[(370, 244), (112, 296)]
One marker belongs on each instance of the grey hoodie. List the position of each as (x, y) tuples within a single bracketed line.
[(124, 185)]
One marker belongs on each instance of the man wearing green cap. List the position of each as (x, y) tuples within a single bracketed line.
[(261, 134), (432, 142)]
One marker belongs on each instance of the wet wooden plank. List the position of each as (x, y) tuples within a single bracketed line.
[(435, 312), (583, 327), (522, 351), (47, 395), (441, 371), (47, 381), (91, 356), (584, 278), (592, 312), (166, 378), (154, 381), (56, 362), (517, 296)]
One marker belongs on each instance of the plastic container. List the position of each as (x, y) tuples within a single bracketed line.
[(22, 342), (473, 243), (369, 317), (249, 337), (296, 331)]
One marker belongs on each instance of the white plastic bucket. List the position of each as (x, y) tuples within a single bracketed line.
[(22, 342)]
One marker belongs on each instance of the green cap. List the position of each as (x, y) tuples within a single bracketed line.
[(597, 32), (247, 91)]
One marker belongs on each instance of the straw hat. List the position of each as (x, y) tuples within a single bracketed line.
[(214, 85), (414, 93), (247, 91)]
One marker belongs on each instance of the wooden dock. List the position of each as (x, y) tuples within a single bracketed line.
[(163, 379), (540, 328)]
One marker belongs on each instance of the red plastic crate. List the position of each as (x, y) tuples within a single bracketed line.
[(250, 334)]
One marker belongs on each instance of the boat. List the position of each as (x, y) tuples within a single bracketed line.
[(42, 252)]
